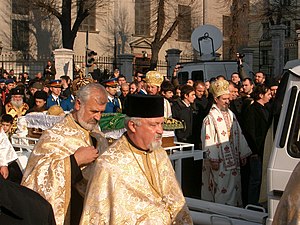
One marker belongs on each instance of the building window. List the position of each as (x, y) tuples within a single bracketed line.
[(286, 55), (265, 57), (20, 35), (265, 30), (142, 17), (288, 28), (20, 7), (185, 23), (286, 2), (89, 23)]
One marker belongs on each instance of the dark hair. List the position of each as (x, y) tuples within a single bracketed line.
[(221, 76), (121, 76), (185, 90), (66, 78), (261, 73), (259, 89), (7, 118), (166, 86), (250, 80), (197, 82)]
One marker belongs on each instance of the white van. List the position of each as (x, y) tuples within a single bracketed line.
[(205, 70), (286, 147)]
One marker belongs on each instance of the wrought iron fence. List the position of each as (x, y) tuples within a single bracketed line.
[(23, 63)]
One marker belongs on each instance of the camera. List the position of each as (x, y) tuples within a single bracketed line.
[(240, 55)]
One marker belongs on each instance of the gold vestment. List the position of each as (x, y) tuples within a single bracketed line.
[(131, 186), (48, 171)]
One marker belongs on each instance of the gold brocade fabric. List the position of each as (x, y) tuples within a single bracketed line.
[(16, 113), (48, 171), (130, 186)]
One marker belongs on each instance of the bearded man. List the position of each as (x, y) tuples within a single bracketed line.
[(226, 149), (16, 107), (58, 167), (133, 180)]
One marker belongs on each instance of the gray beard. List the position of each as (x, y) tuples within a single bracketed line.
[(17, 104)]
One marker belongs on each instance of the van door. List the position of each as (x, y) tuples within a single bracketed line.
[(286, 149)]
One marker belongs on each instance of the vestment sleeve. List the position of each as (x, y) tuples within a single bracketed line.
[(7, 152), (209, 139)]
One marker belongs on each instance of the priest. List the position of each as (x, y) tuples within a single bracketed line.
[(133, 180), (59, 163)]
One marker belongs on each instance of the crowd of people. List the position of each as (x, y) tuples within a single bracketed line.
[(88, 181)]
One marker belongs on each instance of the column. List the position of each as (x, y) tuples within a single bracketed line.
[(63, 62), (173, 57), (278, 39), (126, 65)]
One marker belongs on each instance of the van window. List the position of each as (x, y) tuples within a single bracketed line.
[(197, 75), (183, 77), (294, 137)]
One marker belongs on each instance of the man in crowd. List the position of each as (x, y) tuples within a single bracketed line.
[(226, 149), (124, 92), (38, 78), (65, 87), (260, 78), (153, 80), (58, 166), (36, 86), (247, 87), (6, 124), (114, 104), (49, 71), (133, 180), (235, 78), (54, 97), (10, 84), (40, 101), (121, 80), (16, 107), (182, 110)]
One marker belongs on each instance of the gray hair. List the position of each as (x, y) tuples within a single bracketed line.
[(135, 120), (92, 89)]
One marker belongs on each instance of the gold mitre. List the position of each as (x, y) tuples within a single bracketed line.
[(154, 78), (219, 87)]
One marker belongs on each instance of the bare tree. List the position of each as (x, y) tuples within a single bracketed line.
[(70, 14), (164, 25), (236, 26), (277, 10)]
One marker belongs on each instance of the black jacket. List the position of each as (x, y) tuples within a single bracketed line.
[(183, 113), (257, 122), (22, 206)]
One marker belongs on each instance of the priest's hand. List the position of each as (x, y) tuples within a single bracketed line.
[(4, 171), (85, 155)]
